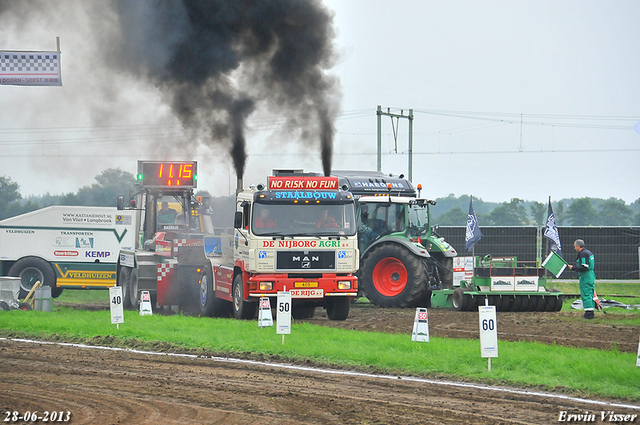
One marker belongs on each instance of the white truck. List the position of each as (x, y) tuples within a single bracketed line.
[(298, 234), (65, 247), (307, 245)]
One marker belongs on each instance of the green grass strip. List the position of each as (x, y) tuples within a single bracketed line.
[(585, 372)]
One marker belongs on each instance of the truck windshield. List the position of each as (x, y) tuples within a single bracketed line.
[(303, 219), (418, 221)]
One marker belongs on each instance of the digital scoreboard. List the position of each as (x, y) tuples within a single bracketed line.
[(168, 174)]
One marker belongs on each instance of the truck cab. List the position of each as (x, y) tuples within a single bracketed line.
[(298, 234)]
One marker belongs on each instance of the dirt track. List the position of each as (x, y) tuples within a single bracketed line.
[(111, 387), (116, 387), (563, 328)]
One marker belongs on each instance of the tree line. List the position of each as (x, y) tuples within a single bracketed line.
[(109, 184), (453, 211), (448, 211)]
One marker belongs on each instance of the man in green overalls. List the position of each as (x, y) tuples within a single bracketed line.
[(584, 266)]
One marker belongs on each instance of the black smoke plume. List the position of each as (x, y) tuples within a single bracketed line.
[(217, 60)]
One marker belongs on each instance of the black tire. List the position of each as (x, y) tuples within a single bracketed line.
[(559, 302), (338, 308), (507, 302), (392, 276), (207, 295), (243, 310), (460, 300), (303, 311), (25, 307), (134, 292), (553, 302), (540, 303), (4, 306), (550, 303), (496, 300), (480, 301), (520, 303), (33, 269), (210, 305), (124, 278), (533, 303)]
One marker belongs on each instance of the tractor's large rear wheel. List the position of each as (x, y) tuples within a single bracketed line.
[(392, 276)]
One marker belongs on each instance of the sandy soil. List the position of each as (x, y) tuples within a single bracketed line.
[(563, 328), (116, 387), (120, 387)]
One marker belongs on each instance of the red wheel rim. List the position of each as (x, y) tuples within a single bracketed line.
[(390, 277)]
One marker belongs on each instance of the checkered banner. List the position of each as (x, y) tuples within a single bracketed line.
[(30, 68)]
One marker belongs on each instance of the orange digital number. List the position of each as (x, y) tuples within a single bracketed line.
[(186, 170)]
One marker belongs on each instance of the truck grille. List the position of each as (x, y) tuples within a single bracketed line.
[(306, 260)]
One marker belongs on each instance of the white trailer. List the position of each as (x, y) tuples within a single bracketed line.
[(65, 246)]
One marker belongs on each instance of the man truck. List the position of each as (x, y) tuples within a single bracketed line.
[(278, 243)]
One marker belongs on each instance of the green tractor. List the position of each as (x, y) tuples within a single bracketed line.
[(402, 259)]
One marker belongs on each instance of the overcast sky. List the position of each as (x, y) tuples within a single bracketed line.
[(525, 99)]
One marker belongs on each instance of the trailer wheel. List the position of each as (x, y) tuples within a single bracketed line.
[(33, 269), (338, 308), (242, 309), (210, 305), (553, 302), (392, 276), (124, 278), (520, 303), (559, 302), (540, 303), (133, 290), (496, 300), (460, 300), (550, 303), (533, 303), (4, 306), (480, 301)]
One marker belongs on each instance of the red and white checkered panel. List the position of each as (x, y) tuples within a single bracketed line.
[(165, 272), (185, 242), (177, 243)]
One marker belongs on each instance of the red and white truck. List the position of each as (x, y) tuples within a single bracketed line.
[(65, 247), (296, 234)]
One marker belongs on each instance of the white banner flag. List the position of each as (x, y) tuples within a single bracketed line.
[(30, 68)]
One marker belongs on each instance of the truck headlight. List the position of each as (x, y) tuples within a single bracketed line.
[(266, 286), (344, 284)]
